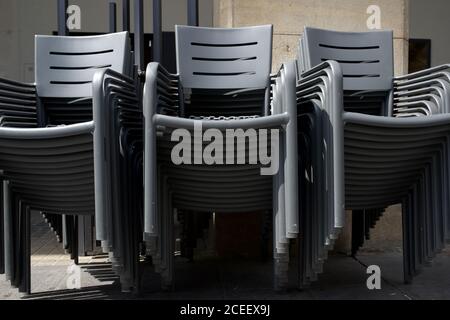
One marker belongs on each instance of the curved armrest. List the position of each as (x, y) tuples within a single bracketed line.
[(275, 121), (285, 100), (109, 85), (324, 65), (17, 85), (47, 133), (18, 99), (120, 80), (111, 91), (423, 72), (332, 71), (159, 85), (390, 122), (436, 78), (326, 79)]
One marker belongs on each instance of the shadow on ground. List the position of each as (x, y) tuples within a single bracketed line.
[(343, 278)]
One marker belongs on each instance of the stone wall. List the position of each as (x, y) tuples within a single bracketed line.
[(290, 16)]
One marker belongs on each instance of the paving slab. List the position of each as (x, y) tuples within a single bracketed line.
[(344, 278)]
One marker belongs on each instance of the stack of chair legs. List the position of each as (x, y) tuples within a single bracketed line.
[(57, 160), (286, 222), (85, 147), (17, 109), (386, 155), (67, 111), (198, 186), (321, 214), (117, 113), (389, 162), (55, 224), (425, 95), (46, 170)]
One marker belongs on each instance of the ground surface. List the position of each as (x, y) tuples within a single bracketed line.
[(343, 278)]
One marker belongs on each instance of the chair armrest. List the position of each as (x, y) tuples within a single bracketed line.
[(116, 98), (30, 87), (47, 133), (18, 100), (422, 73), (160, 88), (318, 68), (332, 71), (424, 78), (109, 84), (285, 102), (268, 122), (161, 91), (414, 84), (325, 82)]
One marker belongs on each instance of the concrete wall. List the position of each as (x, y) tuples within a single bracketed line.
[(20, 20), (290, 16), (429, 20)]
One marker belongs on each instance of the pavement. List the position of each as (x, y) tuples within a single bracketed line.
[(344, 278)]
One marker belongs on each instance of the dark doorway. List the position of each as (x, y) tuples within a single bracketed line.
[(419, 54)]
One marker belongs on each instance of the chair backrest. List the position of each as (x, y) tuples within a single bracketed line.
[(65, 66), (213, 58), (366, 57)]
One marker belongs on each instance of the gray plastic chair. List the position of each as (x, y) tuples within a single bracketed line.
[(223, 83), (388, 135), (47, 152)]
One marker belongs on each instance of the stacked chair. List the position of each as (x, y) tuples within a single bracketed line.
[(223, 83), (119, 171), (92, 152), (48, 154), (18, 108), (371, 141)]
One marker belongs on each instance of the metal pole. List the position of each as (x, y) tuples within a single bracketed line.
[(139, 34), (157, 31), (193, 13), (62, 18), (125, 15), (112, 17)]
